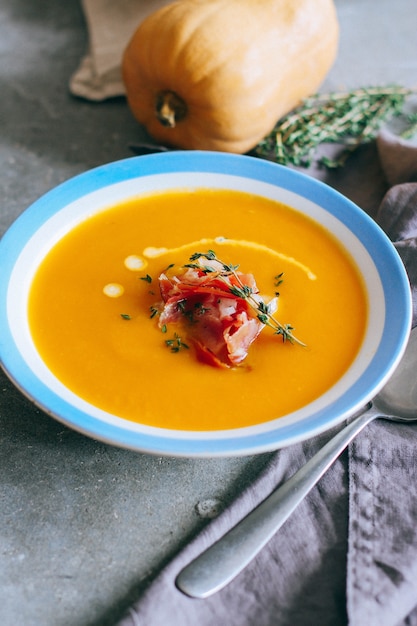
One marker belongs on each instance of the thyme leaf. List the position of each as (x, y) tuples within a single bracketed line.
[(176, 343)]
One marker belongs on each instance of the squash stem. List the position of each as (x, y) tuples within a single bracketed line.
[(170, 108)]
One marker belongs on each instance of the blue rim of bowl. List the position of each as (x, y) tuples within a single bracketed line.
[(398, 303)]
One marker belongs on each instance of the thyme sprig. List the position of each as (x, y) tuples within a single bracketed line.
[(349, 118), (222, 271)]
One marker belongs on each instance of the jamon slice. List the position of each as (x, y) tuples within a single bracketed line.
[(220, 323)]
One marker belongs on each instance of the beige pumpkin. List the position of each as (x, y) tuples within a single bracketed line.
[(218, 74)]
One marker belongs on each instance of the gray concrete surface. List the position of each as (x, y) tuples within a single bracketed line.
[(83, 525)]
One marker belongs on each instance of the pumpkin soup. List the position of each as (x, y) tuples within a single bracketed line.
[(96, 309)]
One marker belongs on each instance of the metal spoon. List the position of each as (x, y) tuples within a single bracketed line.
[(224, 560)]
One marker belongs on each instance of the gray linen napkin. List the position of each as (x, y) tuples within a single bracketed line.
[(382, 558), (348, 554)]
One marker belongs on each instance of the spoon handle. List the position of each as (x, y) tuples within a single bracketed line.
[(224, 560)]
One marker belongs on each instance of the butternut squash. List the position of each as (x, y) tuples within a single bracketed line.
[(218, 74)]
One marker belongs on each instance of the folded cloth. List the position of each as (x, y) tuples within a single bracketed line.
[(348, 554), (110, 26), (382, 553), (398, 158)]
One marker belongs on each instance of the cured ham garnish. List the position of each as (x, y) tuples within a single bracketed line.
[(219, 307)]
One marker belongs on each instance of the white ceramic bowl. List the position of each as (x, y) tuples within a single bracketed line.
[(34, 233)]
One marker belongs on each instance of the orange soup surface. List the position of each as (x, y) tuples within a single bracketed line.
[(92, 301)]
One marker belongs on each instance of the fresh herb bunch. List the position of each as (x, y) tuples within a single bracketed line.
[(350, 118), (241, 290)]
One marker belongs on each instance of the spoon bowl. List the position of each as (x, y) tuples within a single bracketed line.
[(398, 399), (224, 560)]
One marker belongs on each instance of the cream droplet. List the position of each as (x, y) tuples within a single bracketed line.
[(152, 253), (134, 262), (113, 290)]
